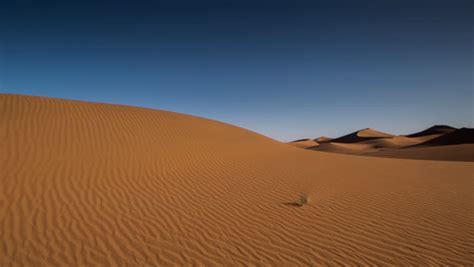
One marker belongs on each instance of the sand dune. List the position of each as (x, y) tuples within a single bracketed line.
[(86, 184), (464, 152), (323, 139), (437, 129), (377, 144), (373, 146), (398, 141), (305, 143), (345, 148), (460, 136), (369, 142), (360, 136)]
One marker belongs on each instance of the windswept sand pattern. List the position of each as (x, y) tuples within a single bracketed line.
[(97, 184)]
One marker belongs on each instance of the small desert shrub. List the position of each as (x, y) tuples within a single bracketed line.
[(301, 201)]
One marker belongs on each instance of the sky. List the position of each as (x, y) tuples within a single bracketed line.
[(285, 69)]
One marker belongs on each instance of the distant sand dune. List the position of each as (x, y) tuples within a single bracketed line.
[(360, 136), (437, 129), (322, 139), (464, 152), (460, 136), (369, 142), (86, 184), (373, 145), (305, 143)]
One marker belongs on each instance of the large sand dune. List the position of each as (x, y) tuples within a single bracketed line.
[(95, 184)]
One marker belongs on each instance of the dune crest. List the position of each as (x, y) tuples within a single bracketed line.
[(86, 184), (436, 129), (360, 136), (323, 139)]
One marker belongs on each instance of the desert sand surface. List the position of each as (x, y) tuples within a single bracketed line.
[(464, 152), (85, 184), (439, 142), (304, 143)]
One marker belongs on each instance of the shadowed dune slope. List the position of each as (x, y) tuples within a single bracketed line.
[(460, 136), (360, 136), (94, 184), (437, 129)]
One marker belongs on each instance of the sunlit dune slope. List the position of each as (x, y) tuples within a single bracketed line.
[(323, 139), (86, 184), (462, 152), (304, 143), (371, 146)]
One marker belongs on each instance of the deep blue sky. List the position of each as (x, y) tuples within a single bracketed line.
[(286, 69)]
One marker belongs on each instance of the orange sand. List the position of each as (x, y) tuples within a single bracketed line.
[(304, 143), (96, 184)]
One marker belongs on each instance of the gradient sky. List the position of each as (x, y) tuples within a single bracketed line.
[(286, 69)]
